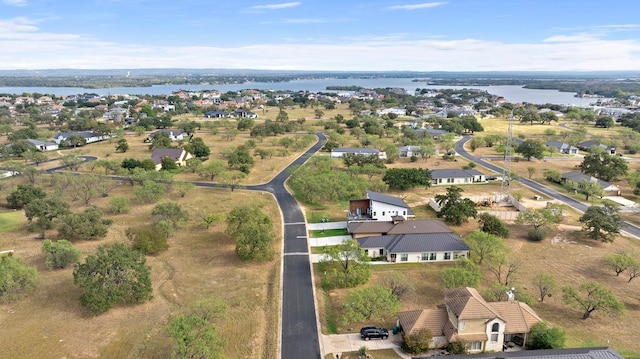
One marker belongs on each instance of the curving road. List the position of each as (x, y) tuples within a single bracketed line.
[(629, 228)]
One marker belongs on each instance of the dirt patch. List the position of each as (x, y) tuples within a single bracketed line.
[(561, 235)]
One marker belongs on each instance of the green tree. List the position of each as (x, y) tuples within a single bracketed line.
[(369, 303), (545, 284), (602, 222), (531, 148), (253, 232), (150, 191), (194, 334), (484, 246), (552, 176), (122, 145), (531, 171), (197, 148), (182, 188), (212, 169), (464, 274), (592, 296), (417, 342), (114, 275), (87, 225), (545, 337), (75, 141), (455, 209), (60, 254), (71, 161), (24, 194), (147, 239), (620, 262), (241, 160), (160, 140), (405, 178), (492, 225), (119, 205), (16, 278), (604, 121), (539, 219), (397, 283), (604, 166), (171, 214), (45, 211), (347, 265), (210, 219), (589, 188), (167, 164)]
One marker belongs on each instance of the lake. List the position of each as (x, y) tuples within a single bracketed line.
[(512, 93)]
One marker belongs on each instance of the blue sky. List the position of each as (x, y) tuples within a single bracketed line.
[(329, 35)]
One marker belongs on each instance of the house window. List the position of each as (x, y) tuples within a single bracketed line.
[(424, 257), (404, 257), (381, 251), (449, 180), (461, 325), (383, 213), (439, 180), (447, 256), (432, 256), (495, 328), (374, 214), (475, 346)]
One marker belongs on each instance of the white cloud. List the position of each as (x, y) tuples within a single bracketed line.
[(25, 47), (276, 6), (425, 5), (15, 2)]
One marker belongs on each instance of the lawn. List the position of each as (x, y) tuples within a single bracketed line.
[(375, 354), (200, 264), (10, 221), (328, 232)]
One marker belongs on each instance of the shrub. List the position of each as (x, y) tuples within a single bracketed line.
[(536, 234), (119, 205), (545, 337), (413, 158), (418, 342), (147, 240), (457, 347), (16, 278), (60, 254)]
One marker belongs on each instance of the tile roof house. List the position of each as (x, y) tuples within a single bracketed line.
[(378, 207), (454, 176), (466, 316), (339, 152), (573, 177), (179, 155), (586, 145), (416, 248), (562, 147)]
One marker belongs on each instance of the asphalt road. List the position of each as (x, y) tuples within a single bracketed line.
[(299, 335), (627, 227)]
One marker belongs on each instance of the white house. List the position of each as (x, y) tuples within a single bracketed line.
[(576, 178), (378, 207), (587, 145), (339, 152), (43, 145), (89, 136), (178, 155), (562, 147), (409, 151), (451, 176), (174, 135), (415, 248)]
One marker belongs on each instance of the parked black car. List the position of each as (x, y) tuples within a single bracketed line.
[(367, 333)]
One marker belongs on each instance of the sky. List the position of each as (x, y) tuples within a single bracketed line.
[(322, 35)]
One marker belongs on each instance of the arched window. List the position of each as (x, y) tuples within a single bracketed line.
[(495, 328)]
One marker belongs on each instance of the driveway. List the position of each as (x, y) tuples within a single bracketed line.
[(341, 343)]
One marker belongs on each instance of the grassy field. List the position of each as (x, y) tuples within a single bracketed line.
[(328, 233), (10, 221), (200, 264), (375, 354)]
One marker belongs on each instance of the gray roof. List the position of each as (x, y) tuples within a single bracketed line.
[(560, 145), (355, 150), (415, 243), (454, 173), (395, 201), (41, 143), (85, 134), (169, 132), (588, 144), (577, 177), (571, 353), (160, 153), (419, 226)]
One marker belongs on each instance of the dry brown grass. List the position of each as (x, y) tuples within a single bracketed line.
[(200, 264)]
